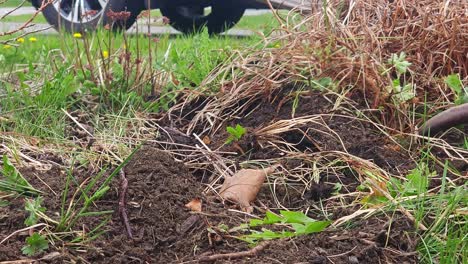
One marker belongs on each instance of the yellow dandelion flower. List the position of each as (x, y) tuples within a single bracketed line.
[(32, 39), (20, 40), (278, 46), (105, 54), (6, 46), (77, 35)]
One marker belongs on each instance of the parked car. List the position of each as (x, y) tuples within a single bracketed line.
[(186, 16)]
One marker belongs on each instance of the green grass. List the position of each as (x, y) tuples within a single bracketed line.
[(59, 64), (14, 3), (40, 19), (442, 212)]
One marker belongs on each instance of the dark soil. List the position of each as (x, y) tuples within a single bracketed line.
[(165, 231)]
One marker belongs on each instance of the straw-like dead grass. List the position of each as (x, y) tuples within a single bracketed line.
[(352, 44)]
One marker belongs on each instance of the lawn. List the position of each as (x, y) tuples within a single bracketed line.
[(304, 146), (14, 3)]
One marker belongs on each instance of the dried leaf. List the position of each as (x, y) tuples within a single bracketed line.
[(377, 188), (242, 187), (195, 205), (206, 140)]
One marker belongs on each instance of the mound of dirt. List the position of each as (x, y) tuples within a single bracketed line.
[(167, 232), (159, 187)]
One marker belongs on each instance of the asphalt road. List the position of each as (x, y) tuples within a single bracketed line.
[(154, 30), (31, 10)]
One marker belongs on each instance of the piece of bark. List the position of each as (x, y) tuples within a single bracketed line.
[(242, 188)]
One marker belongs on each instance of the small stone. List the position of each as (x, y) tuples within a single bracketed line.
[(353, 260)]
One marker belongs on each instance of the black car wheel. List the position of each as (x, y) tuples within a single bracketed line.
[(81, 15), (192, 18)]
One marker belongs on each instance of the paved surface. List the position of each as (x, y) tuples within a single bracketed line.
[(155, 30), (31, 10), (27, 10)]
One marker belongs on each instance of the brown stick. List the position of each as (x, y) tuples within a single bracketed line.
[(123, 203), (248, 253), (451, 117)]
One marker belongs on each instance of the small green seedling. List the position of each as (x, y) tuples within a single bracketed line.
[(34, 208), (402, 91), (35, 244), (400, 63), (456, 85), (235, 134), (299, 223), (417, 182)]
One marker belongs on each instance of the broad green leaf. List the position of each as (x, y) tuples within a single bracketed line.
[(231, 130), (255, 222), (299, 228), (271, 218), (295, 217), (418, 180), (35, 244), (317, 226), (406, 93), (453, 82), (33, 207)]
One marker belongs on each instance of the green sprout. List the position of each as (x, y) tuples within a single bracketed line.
[(35, 244), (455, 84), (35, 209), (235, 134)]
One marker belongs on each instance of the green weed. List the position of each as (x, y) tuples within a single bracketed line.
[(35, 244), (401, 90), (235, 133), (456, 85), (299, 224), (34, 208)]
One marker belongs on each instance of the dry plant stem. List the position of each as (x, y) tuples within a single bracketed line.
[(25, 24), (248, 253), (421, 226), (123, 202), (22, 230)]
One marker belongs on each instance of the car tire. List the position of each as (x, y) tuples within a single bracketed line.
[(63, 17), (224, 15)]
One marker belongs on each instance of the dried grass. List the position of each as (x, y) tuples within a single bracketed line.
[(352, 43)]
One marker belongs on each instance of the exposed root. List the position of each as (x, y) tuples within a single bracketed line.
[(123, 202), (248, 253), (454, 116)]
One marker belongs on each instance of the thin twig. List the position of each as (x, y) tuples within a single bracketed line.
[(123, 202), (22, 230), (248, 253)]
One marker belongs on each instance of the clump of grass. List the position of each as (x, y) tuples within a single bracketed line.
[(13, 181)]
